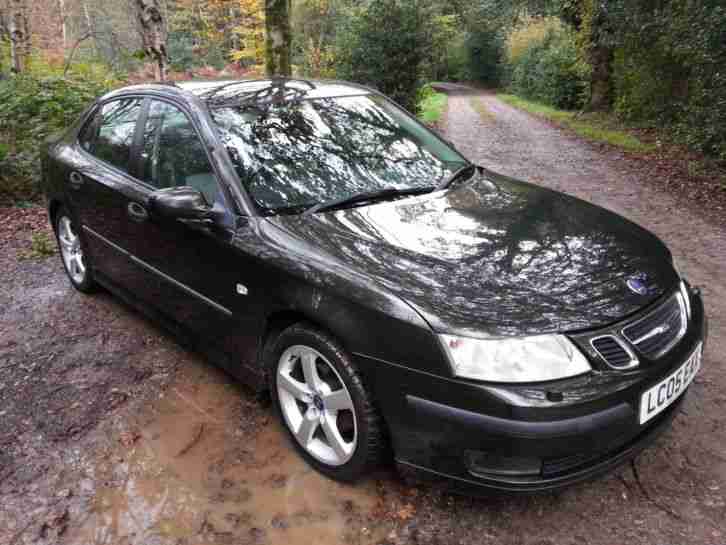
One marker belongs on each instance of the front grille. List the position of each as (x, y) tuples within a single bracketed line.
[(613, 352), (660, 330)]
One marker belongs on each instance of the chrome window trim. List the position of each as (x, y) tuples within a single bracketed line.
[(150, 268), (634, 362), (678, 295)]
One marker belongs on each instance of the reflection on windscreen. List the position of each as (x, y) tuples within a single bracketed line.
[(295, 154)]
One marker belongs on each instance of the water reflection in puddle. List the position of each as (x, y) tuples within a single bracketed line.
[(195, 475)]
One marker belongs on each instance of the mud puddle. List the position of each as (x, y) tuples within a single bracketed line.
[(204, 464)]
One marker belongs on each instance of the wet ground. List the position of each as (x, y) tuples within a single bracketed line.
[(112, 433)]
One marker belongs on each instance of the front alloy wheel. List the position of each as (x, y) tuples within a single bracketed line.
[(322, 402), (316, 405)]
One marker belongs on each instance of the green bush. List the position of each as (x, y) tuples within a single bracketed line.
[(669, 68), (31, 109), (382, 45), (482, 54), (458, 65), (431, 105), (181, 51), (543, 64)]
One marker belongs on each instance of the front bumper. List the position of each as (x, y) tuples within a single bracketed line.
[(524, 438)]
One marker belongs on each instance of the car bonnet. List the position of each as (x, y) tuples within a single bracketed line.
[(498, 257)]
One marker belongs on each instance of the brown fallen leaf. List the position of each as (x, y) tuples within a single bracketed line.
[(128, 438), (406, 512)]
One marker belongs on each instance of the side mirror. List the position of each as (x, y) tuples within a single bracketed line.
[(182, 203)]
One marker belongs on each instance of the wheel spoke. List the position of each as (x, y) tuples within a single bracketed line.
[(67, 229), (307, 429), (310, 371), (79, 264), (66, 244), (298, 390), (338, 400), (335, 441), (74, 266)]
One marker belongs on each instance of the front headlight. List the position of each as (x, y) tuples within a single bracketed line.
[(676, 266), (517, 359)]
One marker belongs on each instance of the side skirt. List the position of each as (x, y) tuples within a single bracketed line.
[(185, 337)]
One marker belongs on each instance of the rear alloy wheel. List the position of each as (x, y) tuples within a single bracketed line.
[(71, 249), (323, 403)]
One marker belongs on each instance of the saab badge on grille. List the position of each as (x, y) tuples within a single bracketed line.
[(637, 285)]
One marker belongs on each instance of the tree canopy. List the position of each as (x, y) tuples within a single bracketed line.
[(649, 62)]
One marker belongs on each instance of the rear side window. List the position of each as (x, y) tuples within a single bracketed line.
[(173, 155), (110, 135)]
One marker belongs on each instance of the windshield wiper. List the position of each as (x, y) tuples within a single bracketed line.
[(458, 173), (366, 197)]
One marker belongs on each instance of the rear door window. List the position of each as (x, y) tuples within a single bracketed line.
[(110, 135), (173, 154)]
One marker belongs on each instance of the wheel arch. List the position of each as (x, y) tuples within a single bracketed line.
[(279, 320), (54, 206)]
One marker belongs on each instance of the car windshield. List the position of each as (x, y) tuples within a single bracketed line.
[(292, 155)]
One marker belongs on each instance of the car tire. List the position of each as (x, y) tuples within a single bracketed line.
[(332, 422), (73, 252)]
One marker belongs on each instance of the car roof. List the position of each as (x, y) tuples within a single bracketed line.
[(224, 92)]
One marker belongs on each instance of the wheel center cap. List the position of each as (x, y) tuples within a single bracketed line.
[(318, 402)]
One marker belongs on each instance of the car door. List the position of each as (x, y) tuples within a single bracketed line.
[(101, 188), (199, 278)]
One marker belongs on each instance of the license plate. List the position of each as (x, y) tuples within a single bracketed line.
[(656, 399)]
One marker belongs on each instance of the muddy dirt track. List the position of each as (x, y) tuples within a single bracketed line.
[(113, 433)]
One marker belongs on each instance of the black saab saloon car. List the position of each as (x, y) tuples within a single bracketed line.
[(316, 241)]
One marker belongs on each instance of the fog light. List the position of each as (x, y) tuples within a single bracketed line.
[(488, 464)]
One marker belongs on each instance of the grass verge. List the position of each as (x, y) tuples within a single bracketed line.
[(432, 108), (481, 108), (593, 126)]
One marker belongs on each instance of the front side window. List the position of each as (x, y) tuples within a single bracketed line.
[(110, 135), (294, 154), (172, 153)]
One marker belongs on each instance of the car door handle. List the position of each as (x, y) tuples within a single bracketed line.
[(76, 179), (137, 212)]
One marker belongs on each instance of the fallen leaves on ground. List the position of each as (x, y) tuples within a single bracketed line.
[(128, 438), (18, 225), (406, 512)]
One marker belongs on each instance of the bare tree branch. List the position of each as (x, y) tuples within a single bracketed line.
[(73, 51)]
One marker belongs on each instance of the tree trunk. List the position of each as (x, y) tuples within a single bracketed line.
[(278, 37), (64, 22), (153, 34), (19, 30), (90, 26), (601, 59), (596, 23), (4, 34)]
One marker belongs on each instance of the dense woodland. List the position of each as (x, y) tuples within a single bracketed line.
[(654, 63)]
